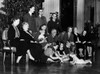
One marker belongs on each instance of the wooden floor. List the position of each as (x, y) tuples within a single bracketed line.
[(53, 68)]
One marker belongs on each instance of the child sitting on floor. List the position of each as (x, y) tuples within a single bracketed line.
[(49, 51), (61, 52)]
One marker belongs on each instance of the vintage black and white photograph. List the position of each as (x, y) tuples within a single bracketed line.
[(49, 36)]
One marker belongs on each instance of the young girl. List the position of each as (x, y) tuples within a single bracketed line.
[(60, 50), (51, 53)]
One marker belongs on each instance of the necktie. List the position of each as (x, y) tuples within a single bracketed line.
[(68, 35), (17, 34)]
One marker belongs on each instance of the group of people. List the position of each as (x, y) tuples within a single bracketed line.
[(46, 43), (35, 21)]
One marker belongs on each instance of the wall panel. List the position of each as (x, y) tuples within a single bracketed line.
[(51, 6)]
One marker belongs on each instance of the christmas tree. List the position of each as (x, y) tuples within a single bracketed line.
[(16, 7)]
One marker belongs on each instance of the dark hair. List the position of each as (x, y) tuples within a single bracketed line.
[(64, 46), (38, 11), (68, 28), (51, 17), (40, 28), (15, 18), (23, 23), (30, 7)]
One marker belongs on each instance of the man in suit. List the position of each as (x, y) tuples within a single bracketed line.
[(13, 32), (40, 19), (30, 19), (68, 39), (52, 38), (13, 37)]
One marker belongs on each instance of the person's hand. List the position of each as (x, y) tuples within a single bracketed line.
[(89, 42), (30, 31), (84, 42), (72, 43), (32, 41)]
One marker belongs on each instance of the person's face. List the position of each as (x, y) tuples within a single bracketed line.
[(42, 32), (54, 16), (75, 30), (26, 26), (32, 9), (16, 22), (41, 12), (70, 29), (44, 27), (84, 33), (54, 32)]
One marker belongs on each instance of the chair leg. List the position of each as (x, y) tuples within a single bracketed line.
[(27, 58), (84, 53), (12, 57), (93, 56), (4, 56)]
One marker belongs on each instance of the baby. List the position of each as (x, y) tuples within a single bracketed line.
[(76, 60)]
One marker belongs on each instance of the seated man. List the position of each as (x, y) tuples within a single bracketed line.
[(69, 40), (52, 38)]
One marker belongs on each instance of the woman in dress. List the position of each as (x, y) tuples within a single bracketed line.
[(13, 37), (34, 49), (61, 52), (87, 41), (77, 41)]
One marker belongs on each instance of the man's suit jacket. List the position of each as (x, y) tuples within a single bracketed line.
[(11, 33), (64, 38), (40, 21), (14, 41), (31, 21)]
